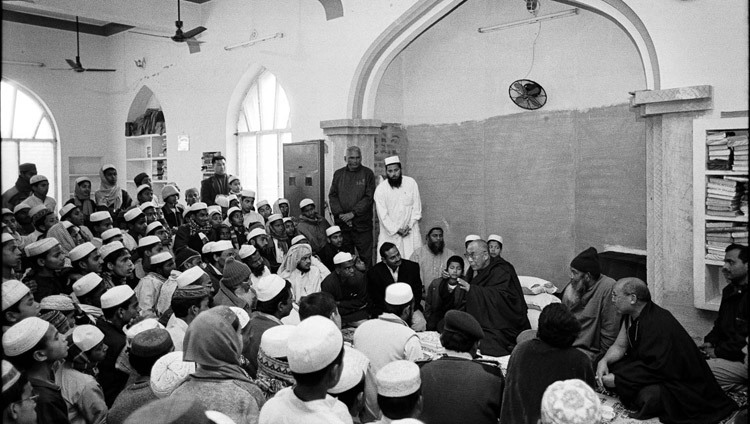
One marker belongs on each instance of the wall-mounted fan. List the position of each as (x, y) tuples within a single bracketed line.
[(187, 37), (527, 94)]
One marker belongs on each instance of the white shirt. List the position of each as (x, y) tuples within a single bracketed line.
[(304, 284), (177, 328), (287, 408), (397, 208)]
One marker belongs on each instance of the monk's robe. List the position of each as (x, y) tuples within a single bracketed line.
[(665, 374), (496, 300)]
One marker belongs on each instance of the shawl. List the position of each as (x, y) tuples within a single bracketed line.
[(212, 342), (80, 200), (109, 195), (277, 209), (283, 239), (195, 228), (292, 258), (273, 374)]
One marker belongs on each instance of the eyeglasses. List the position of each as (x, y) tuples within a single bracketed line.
[(615, 295), (474, 255), (32, 398)]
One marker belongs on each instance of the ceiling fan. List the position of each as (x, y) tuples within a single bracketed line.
[(187, 37), (76, 65)]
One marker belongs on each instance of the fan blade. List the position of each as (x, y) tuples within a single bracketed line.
[(518, 87), (72, 64), (534, 102), (194, 46), (151, 35), (193, 32), (99, 70)]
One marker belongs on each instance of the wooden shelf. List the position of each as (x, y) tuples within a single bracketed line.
[(727, 173), (144, 137)]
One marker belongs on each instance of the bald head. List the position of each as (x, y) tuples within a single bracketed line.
[(636, 286)]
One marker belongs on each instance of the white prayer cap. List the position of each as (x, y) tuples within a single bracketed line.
[(99, 216), (190, 276), (262, 203), (232, 178), (38, 178), (471, 237), (24, 335), (198, 206), (110, 248), (305, 202), (160, 257), (81, 251), (107, 166), (7, 211), (282, 201), (38, 209), (222, 201), (287, 219), (85, 284), (332, 230), (7, 237), (268, 287), (398, 294), (354, 368), (13, 291), (57, 302), (154, 225), (80, 180), (168, 372), (221, 246), (133, 214), (570, 401), (207, 247), (168, 190), (342, 257), (247, 193), (116, 296), (298, 238), (213, 209), (275, 217), (141, 326), (41, 246), (67, 224), (495, 237), (232, 210), (391, 160), (247, 250), (10, 375), (314, 344), (21, 206), (87, 336), (149, 241), (275, 341), (145, 205), (232, 197), (66, 209), (241, 315), (111, 233), (255, 232), (398, 379), (141, 188)]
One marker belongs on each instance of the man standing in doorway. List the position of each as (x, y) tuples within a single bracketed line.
[(216, 184), (399, 209), (350, 199)]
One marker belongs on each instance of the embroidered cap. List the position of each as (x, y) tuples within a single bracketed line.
[(342, 257), (110, 234), (86, 284), (110, 248), (57, 302), (255, 232), (24, 335), (148, 241), (232, 210), (391, 160), (116, 296), (21, 206), (495, 237), (262, 203), (332, 230), (275, 217), (298, 239), (221, 246), (398, 379), (10, 375), (153, 226), (41, 246), (87, 336), (241, 315), (13, 291), (168, 372), (145, 205), (471, 237), (38, 178), (570, 402), (247, 193), (133, 214), (67, 209), (99, 216), (81, 251)]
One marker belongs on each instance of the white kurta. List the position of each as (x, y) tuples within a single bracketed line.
[(399, 207), (304, 284)]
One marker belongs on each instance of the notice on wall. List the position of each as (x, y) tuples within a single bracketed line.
[(183, 143)]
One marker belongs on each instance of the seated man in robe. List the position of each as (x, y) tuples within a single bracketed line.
[(723, 345), (655, 366)]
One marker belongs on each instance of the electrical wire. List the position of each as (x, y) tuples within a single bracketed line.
[(533, 49)]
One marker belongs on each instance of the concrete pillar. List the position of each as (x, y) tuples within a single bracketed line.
[(342, 133)]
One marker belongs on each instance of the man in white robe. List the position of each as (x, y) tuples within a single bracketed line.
[(399, 209), (297, 268)]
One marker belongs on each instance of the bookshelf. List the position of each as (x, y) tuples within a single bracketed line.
[(146, 153), (720, 216)]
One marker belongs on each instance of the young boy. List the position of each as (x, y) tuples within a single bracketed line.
[(11, 256), (23, 219), (18, 303), (238, 232), (43, 219), (46, 260), (39, 190), (316, 352), (84, 258), (351, 386), (136, 223), (75, 234), (89, 290), (99, 222), (172, 210), (159, 268), (34, 346), (117, 265)]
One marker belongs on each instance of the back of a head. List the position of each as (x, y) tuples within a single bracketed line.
[(558, 327), (399, 387), (570, 402), (318, 303)]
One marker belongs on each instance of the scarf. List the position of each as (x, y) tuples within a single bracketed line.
[(85, 204), (212, 342), (195, 228), (235, 233), (282, 238), (292, 258), (108, 195)]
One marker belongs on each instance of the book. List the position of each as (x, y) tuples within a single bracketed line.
[(729, 214), (721, 187), (722, 181)]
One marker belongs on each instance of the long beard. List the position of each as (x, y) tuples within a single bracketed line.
[(258, 271), (572, 298), (436, 247), (395, 182)]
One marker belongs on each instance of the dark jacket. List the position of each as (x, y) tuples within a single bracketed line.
[(50, 407), (353, 191), (730, 328), (183, 238), (314, 230), (174, 220), (113, 381), (379, 277), (350, 296), (212, 186)]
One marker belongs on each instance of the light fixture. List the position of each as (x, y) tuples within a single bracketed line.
[(551, 16), (254, 41)]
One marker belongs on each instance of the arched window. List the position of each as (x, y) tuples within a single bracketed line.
[(263, 126), (28, 135)]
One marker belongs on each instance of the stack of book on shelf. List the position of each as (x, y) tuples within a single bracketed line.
[(723, 197), (738, 144), (720, 234), (718, 151)]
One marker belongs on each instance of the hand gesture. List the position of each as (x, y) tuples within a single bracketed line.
[(464, 284)]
